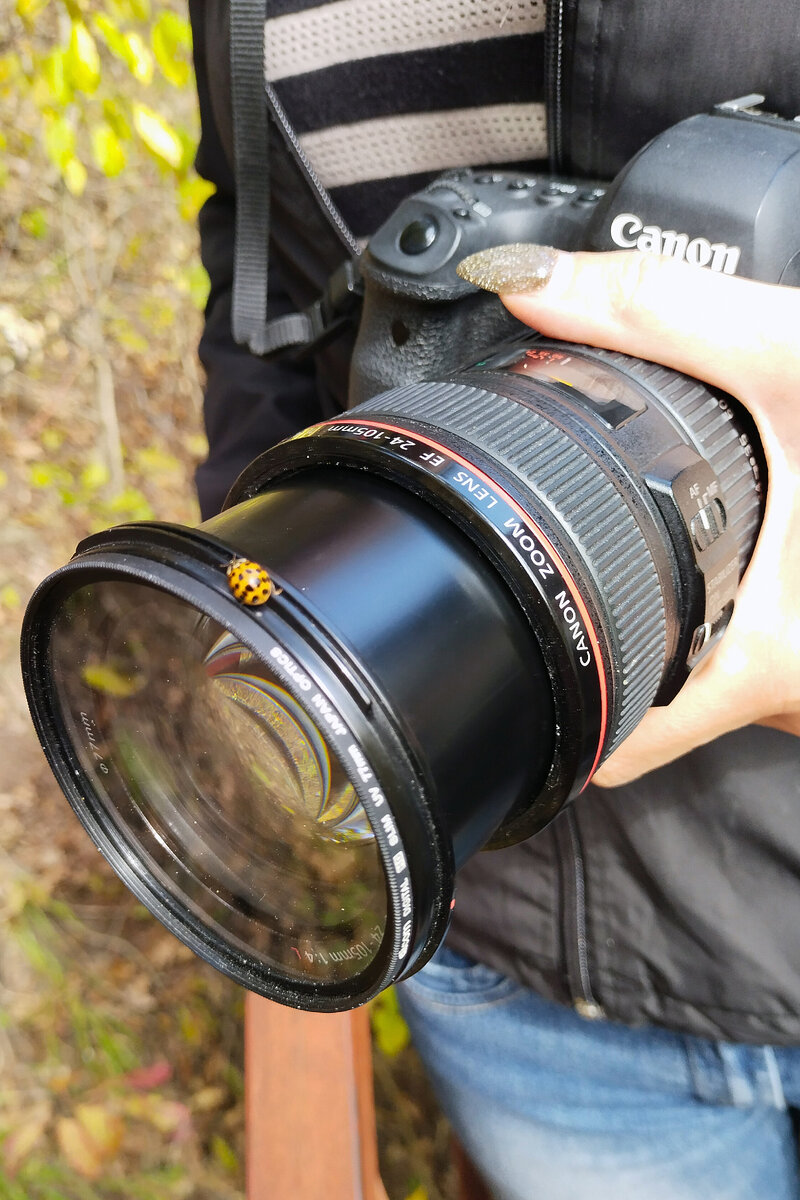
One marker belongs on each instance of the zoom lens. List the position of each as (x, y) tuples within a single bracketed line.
[(473, 589)]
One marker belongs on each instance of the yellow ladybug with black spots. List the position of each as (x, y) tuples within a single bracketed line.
[(249, 582)]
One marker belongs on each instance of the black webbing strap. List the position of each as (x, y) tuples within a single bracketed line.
[(251, 248), (250, 143)]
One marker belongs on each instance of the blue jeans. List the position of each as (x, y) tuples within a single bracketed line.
[(552, 1106)]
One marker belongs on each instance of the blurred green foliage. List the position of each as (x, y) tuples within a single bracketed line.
[(90, 80), (98, 206)]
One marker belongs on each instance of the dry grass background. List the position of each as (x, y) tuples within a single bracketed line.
[(120, 1052)]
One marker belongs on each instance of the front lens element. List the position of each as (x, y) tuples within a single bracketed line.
[(219, 781)]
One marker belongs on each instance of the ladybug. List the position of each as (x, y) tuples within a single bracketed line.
[(249, 582)]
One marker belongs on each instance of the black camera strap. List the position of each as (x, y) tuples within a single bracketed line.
[(254, 101)]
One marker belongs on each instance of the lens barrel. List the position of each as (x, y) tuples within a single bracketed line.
[(468, 592), (392, 643)]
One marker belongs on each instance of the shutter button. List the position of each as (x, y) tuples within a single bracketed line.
[(419, 236)]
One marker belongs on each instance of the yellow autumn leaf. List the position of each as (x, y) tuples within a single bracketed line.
[(171, 40), (91, 1139), (10, 68), (78, 1148), (30, 9), (94, 475), (59, 140), (51, 438), (388, 1027), (209, 1098), (194, 280), (35, 223), (224, 1153), (158, 135), (197, 445), (49, 474), (152, 460), (167, 1116), (107, 150), (104, 678), (75, 176), (419, 1193), (10, 597), (111, 34), (103, 1127), (138, 58), (21, 1141), (115, 116), (132, 504), (193, 192), (54, 74), (83, 60)]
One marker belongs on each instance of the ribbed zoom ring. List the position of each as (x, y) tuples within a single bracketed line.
[(707, 420), (581, 502)]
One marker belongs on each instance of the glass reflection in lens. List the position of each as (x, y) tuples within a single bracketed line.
[(220, 781)]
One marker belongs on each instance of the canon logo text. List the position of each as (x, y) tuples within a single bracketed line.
[(630, 232)]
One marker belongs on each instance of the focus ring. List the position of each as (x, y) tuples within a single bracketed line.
[(567, 482), (708, 422)]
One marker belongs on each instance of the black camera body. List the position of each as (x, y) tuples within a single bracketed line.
[(418, 628), (719, 190)]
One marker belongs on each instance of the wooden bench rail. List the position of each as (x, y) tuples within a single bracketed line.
[(310, 1109)]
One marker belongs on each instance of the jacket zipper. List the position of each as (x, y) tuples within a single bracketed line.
[(559, 42), (576, 942), (330, 211), (554, 80), (559, 14)]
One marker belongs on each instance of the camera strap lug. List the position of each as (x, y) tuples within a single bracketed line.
[(338, 305), (307, 331)]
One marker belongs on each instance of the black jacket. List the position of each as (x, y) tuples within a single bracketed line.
[(675, 900)]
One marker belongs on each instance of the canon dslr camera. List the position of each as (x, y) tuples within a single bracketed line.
[(417, 629)]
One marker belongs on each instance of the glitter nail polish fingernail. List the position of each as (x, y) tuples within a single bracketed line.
[(514, 269)]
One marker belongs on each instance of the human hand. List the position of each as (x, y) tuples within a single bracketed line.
[(743, 337)]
